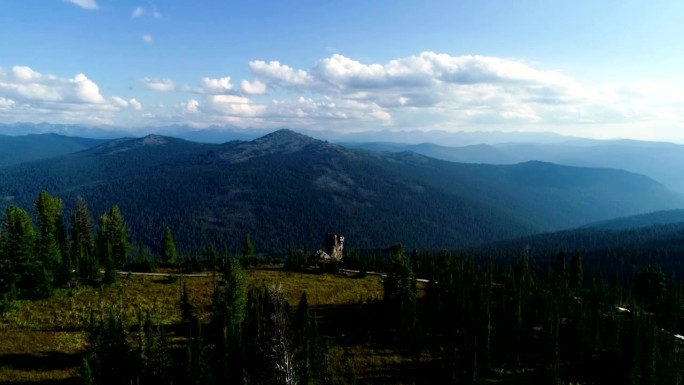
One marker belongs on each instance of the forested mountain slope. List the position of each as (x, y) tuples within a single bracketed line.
[(608, 254), (286, 189), (19, 149), (642, 220), (663, 162)]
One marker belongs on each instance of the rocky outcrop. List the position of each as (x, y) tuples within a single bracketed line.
[(334, 248)]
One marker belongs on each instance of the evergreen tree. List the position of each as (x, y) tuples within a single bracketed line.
[(154, 352), (112, 243), (48, 250), (104, 250), (168, 249), (400, 290), (16, 256), (82, 243), (247, 247), (118, 237), (230, 302), (108, 357)]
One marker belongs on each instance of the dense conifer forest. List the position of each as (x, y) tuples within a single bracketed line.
[(473, 319)]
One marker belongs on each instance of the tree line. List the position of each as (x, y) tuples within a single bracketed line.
[(477, 320), (59, 252)]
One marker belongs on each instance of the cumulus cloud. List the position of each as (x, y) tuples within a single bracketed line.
[(6, 103), (253, 88), (235, 105), (86, 90), (119, 102), (85, 4), (424, 91), (274, 71), (156, 84), (216, 86), (136, 105), (29, 95), (467, 89), (147, 38), (191, 107)]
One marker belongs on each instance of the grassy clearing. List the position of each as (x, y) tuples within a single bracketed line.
[(42, 340)]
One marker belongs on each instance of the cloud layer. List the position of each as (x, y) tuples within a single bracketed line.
[(424, 91), (28, 95)]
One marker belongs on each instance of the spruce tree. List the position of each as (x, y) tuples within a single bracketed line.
[(18, 243), (400, 290), (168, 249), (247, 247), (112, 243), (48, 250), (83, 244)]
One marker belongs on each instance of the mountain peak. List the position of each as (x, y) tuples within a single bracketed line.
[(283, 136), (280, 142), (127, 144)]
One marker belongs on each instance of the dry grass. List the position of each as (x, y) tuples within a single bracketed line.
[(42, 340)]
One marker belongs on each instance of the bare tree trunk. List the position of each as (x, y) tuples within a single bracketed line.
[(280, 347)]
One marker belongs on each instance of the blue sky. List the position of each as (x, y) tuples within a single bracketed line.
[(601, 69)]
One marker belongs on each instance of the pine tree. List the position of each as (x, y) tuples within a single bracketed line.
[(48, 250), (168, 249), (247, 247), (230, 311), (118, 237), (82, 243), (400, 290), (18, 243), (112, 243)]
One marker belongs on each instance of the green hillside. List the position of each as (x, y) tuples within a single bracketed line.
[(286, 189)]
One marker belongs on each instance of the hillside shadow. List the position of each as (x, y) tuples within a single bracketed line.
[(66, 381), (45, 361)]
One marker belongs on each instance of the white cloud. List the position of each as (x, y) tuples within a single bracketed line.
[(424, 91), (86, 90), (155, 13), (28, 95), (25, 74), (216, 86), (275, 71), (138, 11), (6, 104), (233, 105), (147, 38), (253, 88), (85, 4), (192, 106), (119, 102), (136, 105), (155, 84)]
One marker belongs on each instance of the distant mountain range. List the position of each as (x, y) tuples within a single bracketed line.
[(288, 189), (222, 134), (19, 149), (663, 162)]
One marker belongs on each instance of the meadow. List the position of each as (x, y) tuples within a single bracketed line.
[(41, 341)]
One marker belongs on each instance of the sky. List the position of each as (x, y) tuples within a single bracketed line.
[(600, 69)]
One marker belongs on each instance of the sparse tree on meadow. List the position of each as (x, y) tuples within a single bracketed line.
[(83, 244), (168, 250)]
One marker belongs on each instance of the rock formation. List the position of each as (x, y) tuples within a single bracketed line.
[(334, 247)]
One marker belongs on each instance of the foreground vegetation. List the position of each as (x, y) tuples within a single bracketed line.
[(45, 339), (69, 314)]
